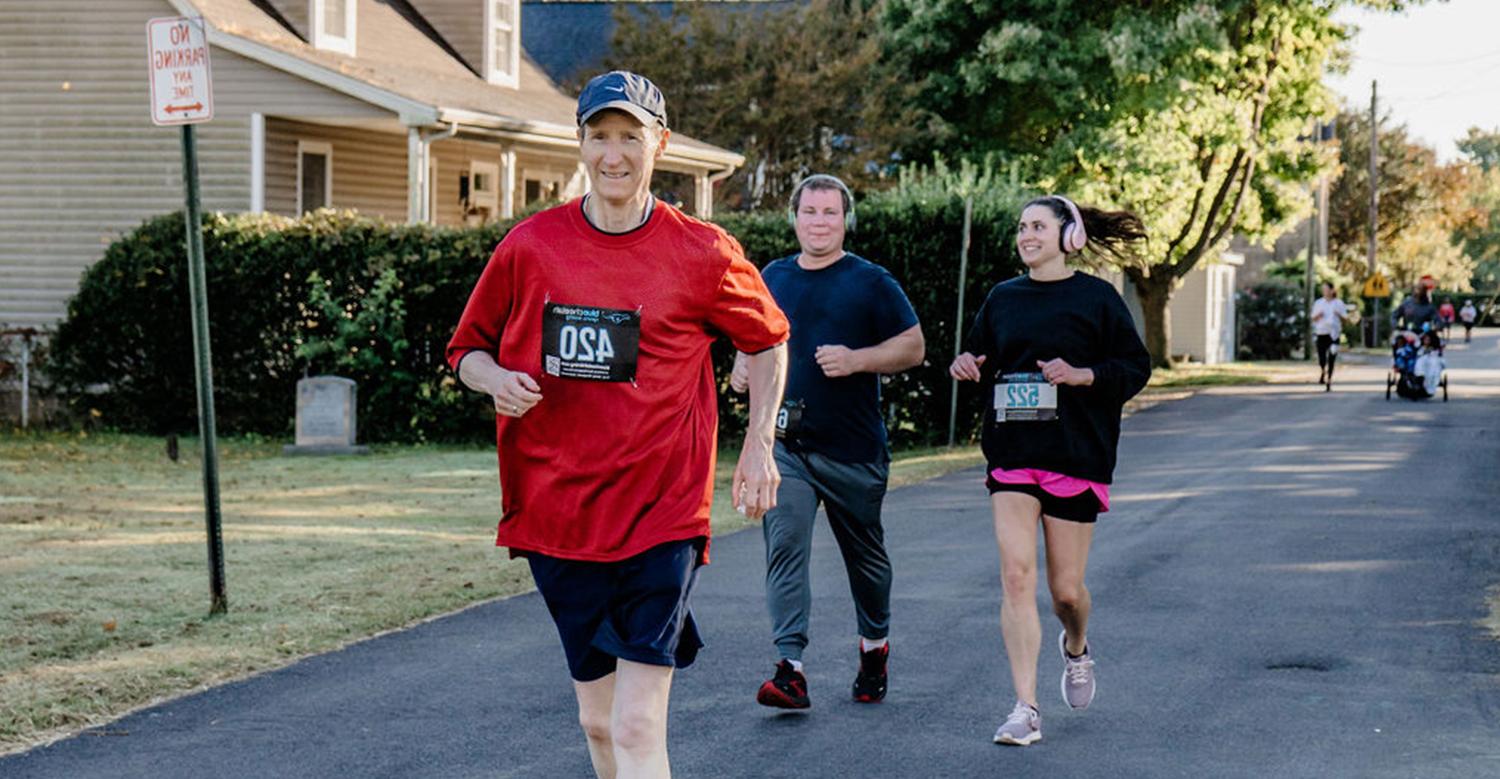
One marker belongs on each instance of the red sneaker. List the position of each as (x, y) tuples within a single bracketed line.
[(786, 690), (869, 684)]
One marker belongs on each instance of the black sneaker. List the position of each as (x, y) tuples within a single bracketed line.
[(786, 690), (869, 684)]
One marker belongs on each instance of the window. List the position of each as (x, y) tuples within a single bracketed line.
[(502, 42), (314, 175), (541, 186), (482, 196), (333, 24)]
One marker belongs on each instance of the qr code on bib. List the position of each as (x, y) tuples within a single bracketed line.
[(554, 365)]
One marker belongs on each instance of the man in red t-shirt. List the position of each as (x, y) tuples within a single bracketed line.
[(590, 327)]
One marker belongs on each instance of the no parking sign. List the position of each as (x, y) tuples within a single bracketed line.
[(182, 90)]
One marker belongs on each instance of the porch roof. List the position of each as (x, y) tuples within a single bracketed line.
[(400, 67)]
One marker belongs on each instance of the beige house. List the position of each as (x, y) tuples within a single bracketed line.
[(1202, 310), (413, 110)]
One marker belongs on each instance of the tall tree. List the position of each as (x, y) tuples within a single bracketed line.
[(796, 88), (1481, 236), (1425, 207), (1186, 112), (1482, 148)]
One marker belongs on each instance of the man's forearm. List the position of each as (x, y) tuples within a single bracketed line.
[(479, 371), (895, 354), (767, 380)]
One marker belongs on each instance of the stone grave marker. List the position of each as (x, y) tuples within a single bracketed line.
[(326, 421)]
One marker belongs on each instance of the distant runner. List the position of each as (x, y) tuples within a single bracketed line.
[(1328, 317)]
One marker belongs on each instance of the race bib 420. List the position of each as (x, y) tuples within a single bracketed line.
[(1025, 397), (585, 342)]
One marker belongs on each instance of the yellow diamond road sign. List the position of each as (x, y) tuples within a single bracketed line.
[(1377, 287)]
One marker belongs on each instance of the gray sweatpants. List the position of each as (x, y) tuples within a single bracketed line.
[(851, 494)]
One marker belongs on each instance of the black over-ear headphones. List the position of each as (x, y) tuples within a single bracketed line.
[(823, 181)]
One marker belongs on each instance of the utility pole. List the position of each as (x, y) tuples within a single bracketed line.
[(1374, 176), (1374, 209)]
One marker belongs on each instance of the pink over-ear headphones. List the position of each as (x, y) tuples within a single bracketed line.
[(1072, 237)]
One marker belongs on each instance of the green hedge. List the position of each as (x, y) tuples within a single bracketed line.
[(129, 334), (1272, 320), (340, 293)]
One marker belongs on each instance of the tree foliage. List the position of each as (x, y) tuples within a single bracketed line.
[(796, 88), (1423, 207), (1188, 113), (1480, 237)]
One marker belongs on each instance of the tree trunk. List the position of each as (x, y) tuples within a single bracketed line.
[(1154, 292)]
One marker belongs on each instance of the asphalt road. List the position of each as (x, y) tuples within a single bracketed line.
[(1291, 584)]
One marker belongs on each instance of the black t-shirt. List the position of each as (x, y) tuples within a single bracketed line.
[(853, 303), (1083, 320)]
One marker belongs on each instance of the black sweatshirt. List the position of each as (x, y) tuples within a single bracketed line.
[(1083, 320)]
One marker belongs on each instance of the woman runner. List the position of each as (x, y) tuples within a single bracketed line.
[(1060, 349)]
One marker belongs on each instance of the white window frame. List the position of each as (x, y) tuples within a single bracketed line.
[(510, 74), (489, 198), (315, 147), (322, 39)]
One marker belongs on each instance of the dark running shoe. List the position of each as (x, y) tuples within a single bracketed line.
[(869, 684), (786, 690)]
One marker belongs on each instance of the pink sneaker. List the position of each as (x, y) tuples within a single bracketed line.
[(1022, 727), (1078, 675)]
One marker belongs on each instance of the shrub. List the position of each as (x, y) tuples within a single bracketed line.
[(1271, 320), (128, 331)]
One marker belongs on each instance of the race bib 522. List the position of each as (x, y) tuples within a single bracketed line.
[(1025, 397)]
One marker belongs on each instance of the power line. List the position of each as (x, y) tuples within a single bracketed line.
[(1428, 63)]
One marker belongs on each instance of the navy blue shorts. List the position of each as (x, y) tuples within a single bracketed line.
[(635, 609), (1083, 507)]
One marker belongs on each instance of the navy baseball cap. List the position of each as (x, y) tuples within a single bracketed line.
[(626, 91)]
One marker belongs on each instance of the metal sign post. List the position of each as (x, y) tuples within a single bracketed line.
[(958, 319), (182, 94), (1377, 288)]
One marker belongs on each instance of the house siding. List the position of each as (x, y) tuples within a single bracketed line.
[(369, 168), (84, 165)]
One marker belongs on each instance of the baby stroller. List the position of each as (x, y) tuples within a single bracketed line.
[(1418, 370)]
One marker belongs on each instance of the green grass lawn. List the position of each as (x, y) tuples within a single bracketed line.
[(104, 559), (1231, 373)]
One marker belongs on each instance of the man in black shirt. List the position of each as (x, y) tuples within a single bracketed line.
[(850, 322)]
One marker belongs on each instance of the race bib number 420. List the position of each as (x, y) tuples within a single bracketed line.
[(1025, 397), (584, 342)]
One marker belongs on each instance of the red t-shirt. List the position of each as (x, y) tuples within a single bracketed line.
[(602, 470)]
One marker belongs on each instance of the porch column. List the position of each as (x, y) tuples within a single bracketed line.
[(257, 163), (703, 195), (508, 184), (416, 174)]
